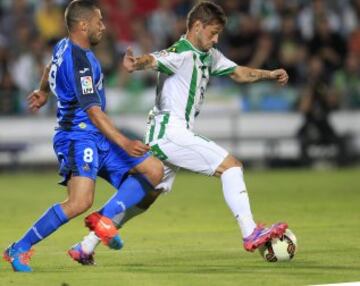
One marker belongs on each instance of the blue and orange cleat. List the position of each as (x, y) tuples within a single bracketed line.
[(105, 230), (18, 258), (77, 253), (261, 235)]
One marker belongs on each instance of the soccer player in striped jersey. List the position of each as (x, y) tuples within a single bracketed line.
[(86, 142), (184, 71)]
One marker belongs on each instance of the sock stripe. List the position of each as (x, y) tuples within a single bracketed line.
[(60, 213), (121, 204), (37, 233)]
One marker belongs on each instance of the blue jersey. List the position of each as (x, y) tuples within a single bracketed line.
[(77, 81), (75, 78)]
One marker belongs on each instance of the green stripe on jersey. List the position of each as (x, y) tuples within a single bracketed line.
[(223, 72), (179, 47), (155, 149), (184, 45), (164, 69), (192, 92), (163, 125), (151, 133)]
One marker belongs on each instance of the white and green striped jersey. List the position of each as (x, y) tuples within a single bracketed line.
[(184, 73)]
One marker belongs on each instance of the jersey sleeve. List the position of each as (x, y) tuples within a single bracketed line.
[(221, 65), (83, 80), (168, 62)]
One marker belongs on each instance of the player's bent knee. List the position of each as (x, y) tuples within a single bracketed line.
[(157, 173), (73, 208), (153, 169), (229, 162)]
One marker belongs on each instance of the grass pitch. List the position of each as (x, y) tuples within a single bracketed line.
[(189, 236)]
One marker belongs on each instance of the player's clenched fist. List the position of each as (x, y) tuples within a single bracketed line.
[(280, 75), (129, 60)]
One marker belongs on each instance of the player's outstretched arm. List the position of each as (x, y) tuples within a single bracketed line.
[(39, 97), (132, 63), (248, 75), (134, 148)]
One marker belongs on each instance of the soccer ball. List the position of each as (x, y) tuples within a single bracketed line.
[(280, 249)]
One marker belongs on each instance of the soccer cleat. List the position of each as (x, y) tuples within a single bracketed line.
[(78, 254), (261, 235), (116, 243), (18, 258), (104, 229)]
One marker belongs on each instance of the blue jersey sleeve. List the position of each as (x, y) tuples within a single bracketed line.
[(84, 79)]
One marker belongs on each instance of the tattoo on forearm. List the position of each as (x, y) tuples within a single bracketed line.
[(252, 74), (258, 74), (144, 62)]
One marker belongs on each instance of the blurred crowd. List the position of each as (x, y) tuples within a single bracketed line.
[(317, 42)]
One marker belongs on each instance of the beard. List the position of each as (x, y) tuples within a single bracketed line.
[(94, 39)]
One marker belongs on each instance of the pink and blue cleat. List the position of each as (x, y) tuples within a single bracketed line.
[(18, 258), (261, 235), (78, 254)]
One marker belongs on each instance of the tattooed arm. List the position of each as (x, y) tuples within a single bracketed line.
[(143, 62), (248, 75)]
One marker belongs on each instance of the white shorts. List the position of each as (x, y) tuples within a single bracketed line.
[(180, 147)]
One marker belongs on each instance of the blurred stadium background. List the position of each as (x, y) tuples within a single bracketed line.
[(314, 121)]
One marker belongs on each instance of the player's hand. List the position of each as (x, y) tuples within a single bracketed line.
[(136, 148), (36, 100), (280, 75), (129, 60)]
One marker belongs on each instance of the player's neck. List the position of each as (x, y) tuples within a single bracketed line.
[(191, 38), (79, 41)]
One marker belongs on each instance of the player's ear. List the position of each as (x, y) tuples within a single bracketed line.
[(197, 26), (83, 26)]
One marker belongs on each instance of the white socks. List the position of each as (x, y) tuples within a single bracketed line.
[(237, 199), (89, 242)]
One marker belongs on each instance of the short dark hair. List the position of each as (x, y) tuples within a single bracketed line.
[(78, 10), (207, 13)]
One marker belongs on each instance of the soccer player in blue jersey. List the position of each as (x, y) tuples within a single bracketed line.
[(86, 142)]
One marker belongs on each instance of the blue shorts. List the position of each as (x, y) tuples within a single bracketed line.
[(92, 155)]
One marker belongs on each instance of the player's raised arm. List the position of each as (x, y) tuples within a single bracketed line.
[(39, 97), (132, 63), (133, 147), (247, 75)]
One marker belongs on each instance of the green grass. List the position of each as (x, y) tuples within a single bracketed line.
[(189, 236)]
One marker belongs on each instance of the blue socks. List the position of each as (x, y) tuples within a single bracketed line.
[(130, 193), (50, 221)]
